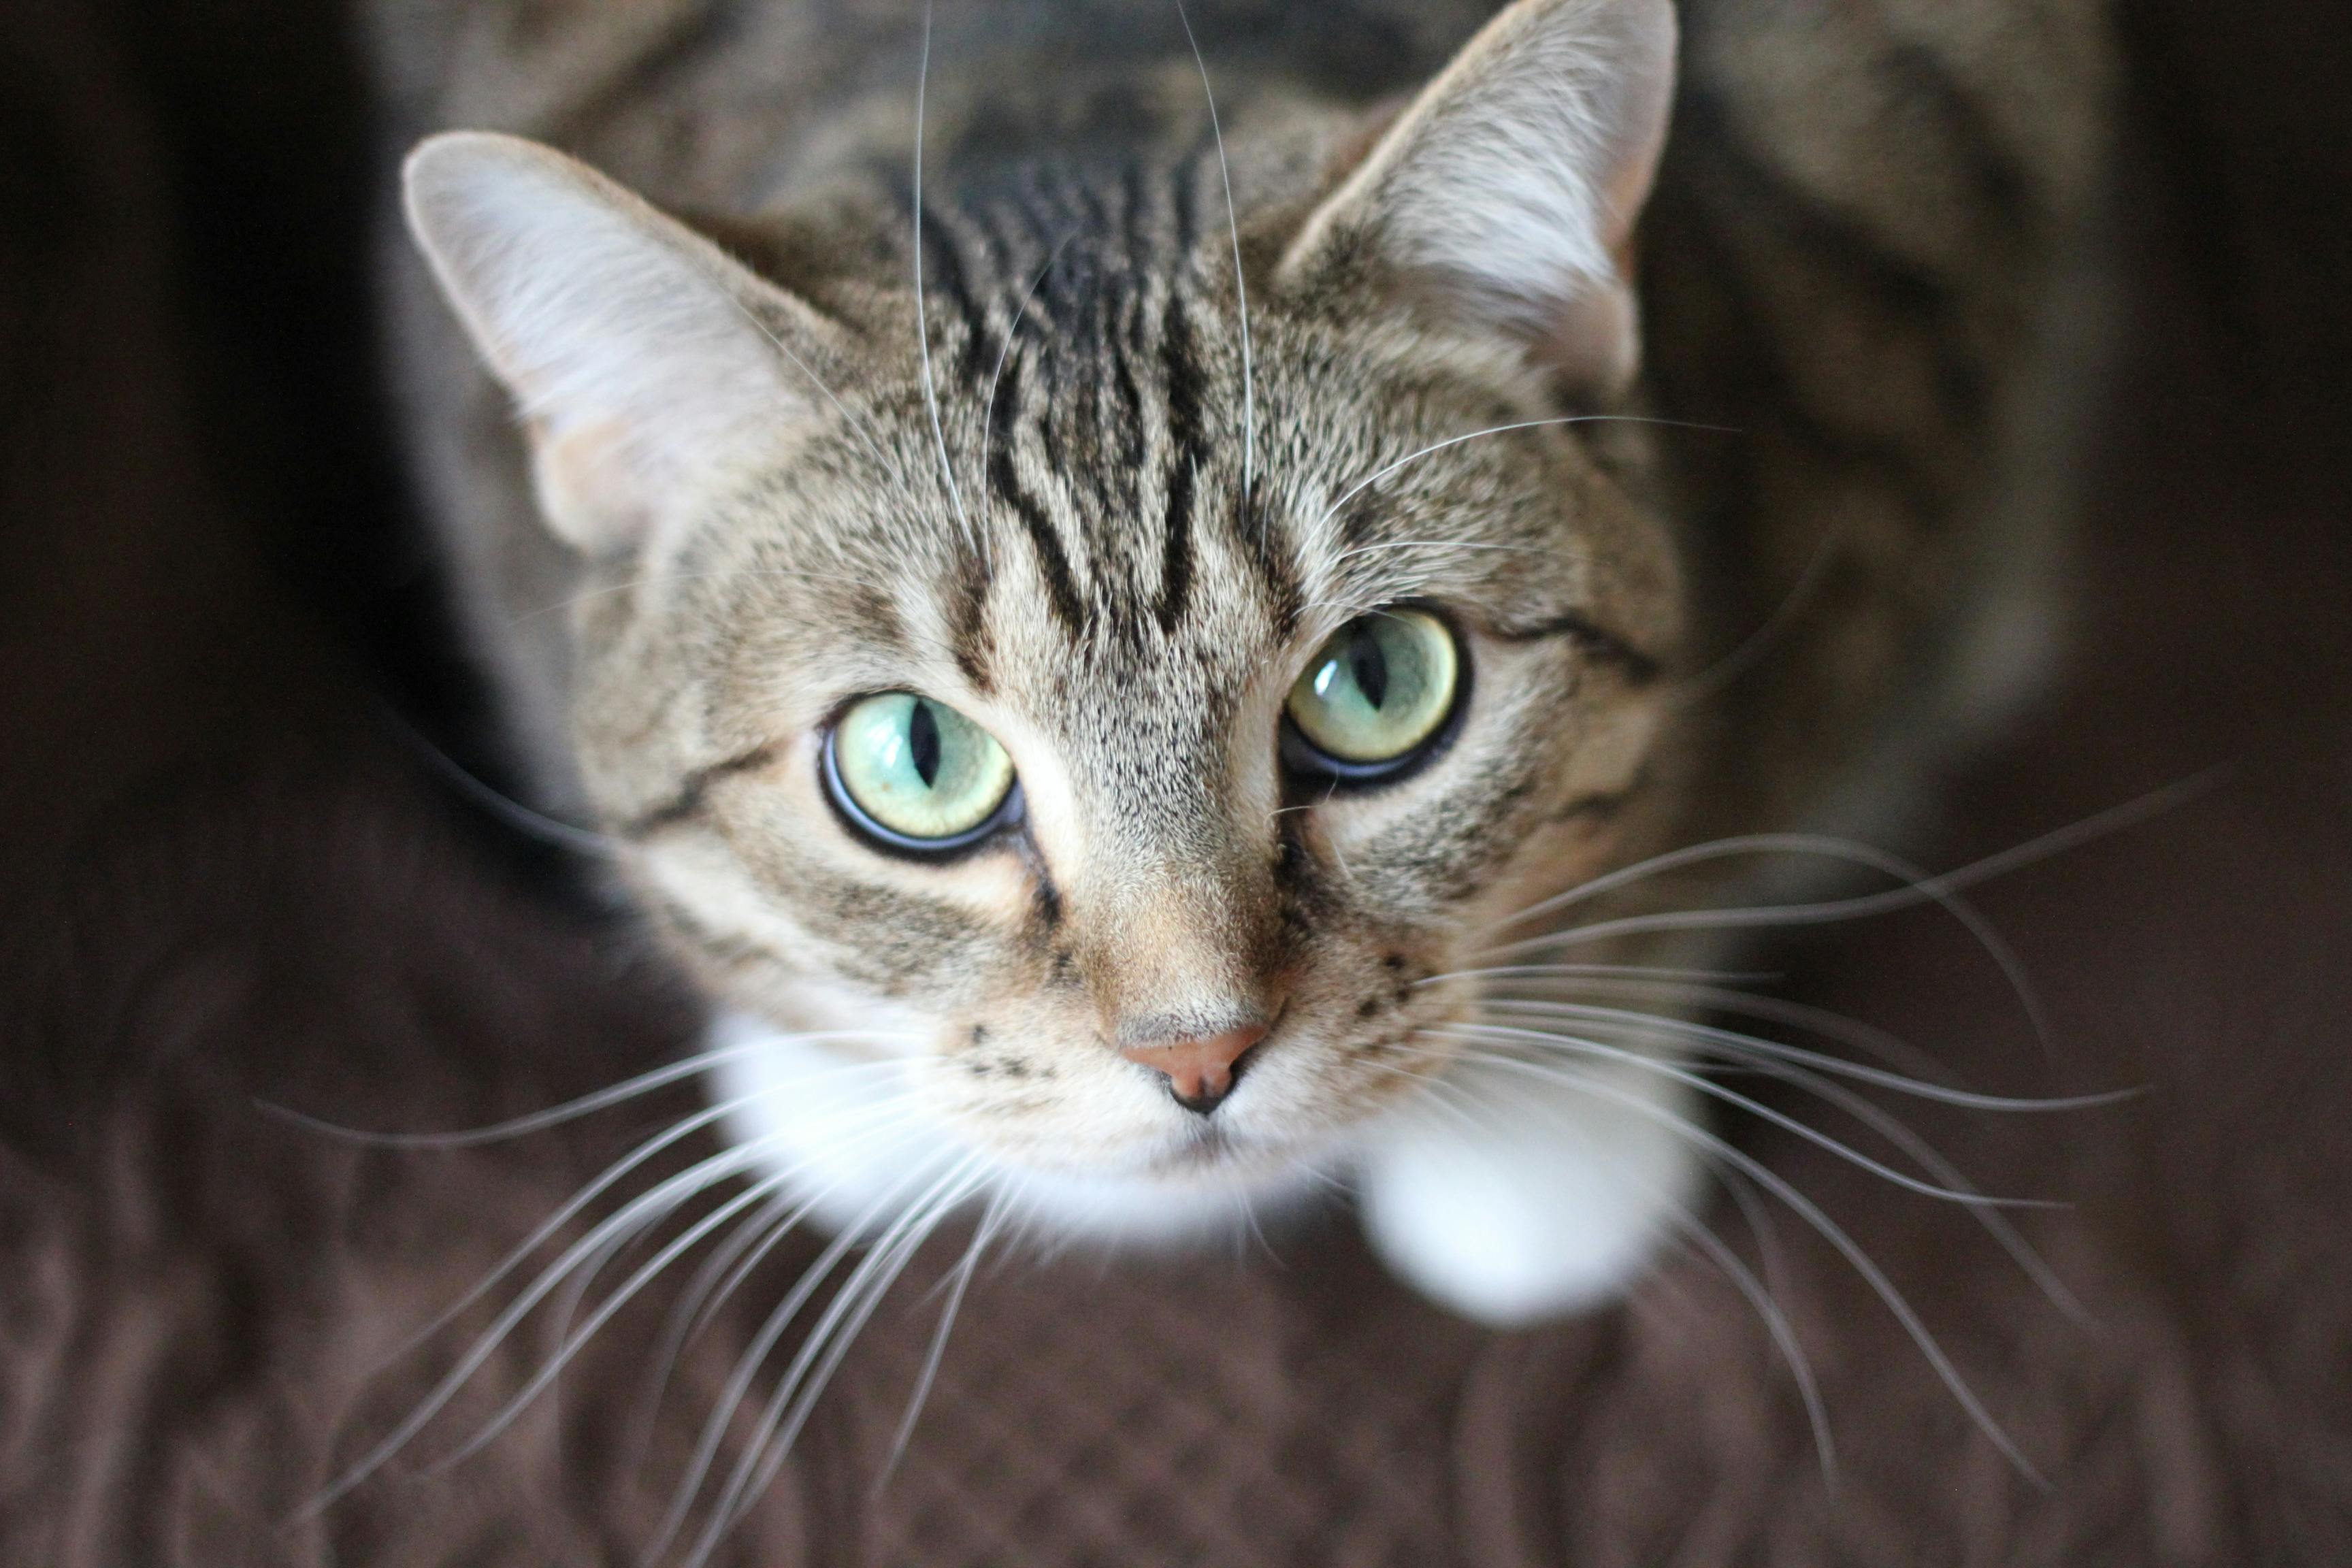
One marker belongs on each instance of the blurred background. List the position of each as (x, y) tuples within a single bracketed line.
[(225, 874)]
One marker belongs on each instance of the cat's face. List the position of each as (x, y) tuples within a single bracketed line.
[(1170, 854), (1136, 718)]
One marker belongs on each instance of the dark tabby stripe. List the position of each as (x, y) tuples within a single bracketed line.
[(1638, 668), (691, 794), (1004, 484), (1180, 363), (1862, 264), (1053, 270), (2002, 186), (967, 620)]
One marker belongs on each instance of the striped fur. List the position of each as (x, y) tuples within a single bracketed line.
[(1029, 490)]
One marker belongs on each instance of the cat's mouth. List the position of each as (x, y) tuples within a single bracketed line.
[(1212, 1149), (1208, 1147)]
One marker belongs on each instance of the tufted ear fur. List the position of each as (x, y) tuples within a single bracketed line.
[(643, 360), (1505, 196)]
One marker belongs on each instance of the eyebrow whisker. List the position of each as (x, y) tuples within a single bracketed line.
[(1241, 284), (922, 315)]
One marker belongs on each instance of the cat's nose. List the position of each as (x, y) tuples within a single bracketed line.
[(1201, 1070)]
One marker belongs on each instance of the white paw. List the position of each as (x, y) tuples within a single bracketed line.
[(1512, 1199)]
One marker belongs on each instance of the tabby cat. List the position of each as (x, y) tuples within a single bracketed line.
[(1149, 622)]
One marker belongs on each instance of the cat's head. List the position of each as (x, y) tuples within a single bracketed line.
[(1133, 715)]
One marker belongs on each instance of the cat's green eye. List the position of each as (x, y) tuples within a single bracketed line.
[(915, 774), (1375, 695)]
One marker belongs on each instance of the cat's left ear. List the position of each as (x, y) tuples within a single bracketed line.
[(1504, 198), (646, 362)]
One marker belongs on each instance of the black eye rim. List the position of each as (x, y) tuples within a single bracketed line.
[(1009, 814), (1303, 761)]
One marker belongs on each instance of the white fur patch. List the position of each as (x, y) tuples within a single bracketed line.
[(844, 1135), (1512, 1199)]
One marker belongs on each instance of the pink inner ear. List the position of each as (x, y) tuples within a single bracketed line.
[(646, 357), (587, 485)]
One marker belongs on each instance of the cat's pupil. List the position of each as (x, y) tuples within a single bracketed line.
[(1370, 667), (923, 744)]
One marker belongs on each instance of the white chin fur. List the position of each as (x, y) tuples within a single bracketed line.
[(1513, 1199), (1510, 1201), (843, 1150)]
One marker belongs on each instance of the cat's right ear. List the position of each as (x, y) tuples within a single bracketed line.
[(645, 361)]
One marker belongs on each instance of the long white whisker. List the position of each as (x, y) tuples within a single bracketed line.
[(572, 1344), (1763, 639), (587, 1104), (990, 1219), (1824, 1226), (1244, 1205), (870, 1292), (1759, 1295), (1748, 1046), (1378, 474), (580, 1200), (1935, 890), (2115, 819), (1437, 1083), (567, 1306), (780, 1423), (685, 1314), (743, 1268), (1732, 1097), (531, 823), (1809, 1071), (648, 1208), (1772, 1267), (1662, 973), (1783, 1334), (661, 1200), (1815, 1073), (1890, 1048), (701, 1303), (1241, 284), (1935, 1164), (755, 1354), (1767, 1234), (1918, 888), (571, 1207)]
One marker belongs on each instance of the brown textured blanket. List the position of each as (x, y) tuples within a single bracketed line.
[(226, 878)]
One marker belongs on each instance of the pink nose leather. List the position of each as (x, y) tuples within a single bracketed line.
[(1200, 1072)]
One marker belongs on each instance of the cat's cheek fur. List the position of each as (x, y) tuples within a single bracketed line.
[(1519, 1198), (832, 1137)]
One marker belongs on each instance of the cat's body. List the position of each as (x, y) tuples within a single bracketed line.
[(1080, 505)]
